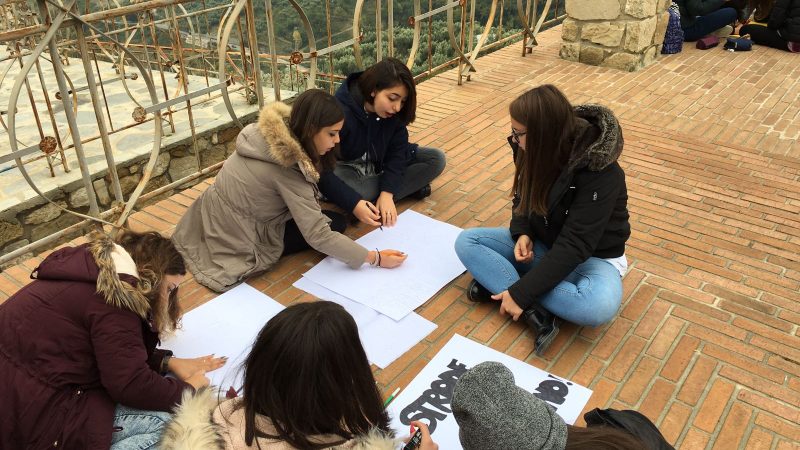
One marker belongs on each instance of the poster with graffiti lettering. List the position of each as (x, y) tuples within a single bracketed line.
[(427, 397)]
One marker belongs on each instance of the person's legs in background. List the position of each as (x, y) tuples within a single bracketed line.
[(762, 35), (705, 25)]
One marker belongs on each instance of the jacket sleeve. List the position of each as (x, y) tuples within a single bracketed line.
[(122, 361), (338, 192), (777, 15), (315, 226), (520, 224), (703, 7), (395, 161), (578, 238)]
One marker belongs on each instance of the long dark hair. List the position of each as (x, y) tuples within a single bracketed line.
[(550, 122), (308, 373), (601, 438), (155, 256), (313, 110), (387, 74)]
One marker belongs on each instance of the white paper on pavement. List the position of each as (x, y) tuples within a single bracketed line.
[(225, 326), (431, 264), (427, 397), (383, 338)]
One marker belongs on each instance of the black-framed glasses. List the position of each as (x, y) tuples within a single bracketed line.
[(515, 135)]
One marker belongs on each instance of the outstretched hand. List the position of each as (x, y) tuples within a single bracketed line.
[(186, 368), (392, 258)]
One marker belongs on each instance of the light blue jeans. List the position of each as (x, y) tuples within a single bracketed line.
[(589, 296), (135, 429)]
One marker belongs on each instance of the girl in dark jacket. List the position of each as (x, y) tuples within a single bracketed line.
[(79, 368), (782, 30), (564, 252), (377, 165)]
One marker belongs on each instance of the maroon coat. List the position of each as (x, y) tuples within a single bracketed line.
[(69, 354)]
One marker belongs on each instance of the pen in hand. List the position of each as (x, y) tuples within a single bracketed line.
[(374, 209)]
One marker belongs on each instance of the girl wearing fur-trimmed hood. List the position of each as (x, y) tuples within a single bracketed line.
[(564, 252), (78, 350), (307, 385), (264, 202)]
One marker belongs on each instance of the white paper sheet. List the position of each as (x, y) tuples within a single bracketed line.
[(436, 381), (225, 326), (431, 264), (383, 338)]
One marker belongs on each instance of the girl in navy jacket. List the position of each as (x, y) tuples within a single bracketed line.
[(376, 164)]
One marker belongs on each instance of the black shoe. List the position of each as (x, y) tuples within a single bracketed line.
[(544, 324), (422, 193), (478, 293)]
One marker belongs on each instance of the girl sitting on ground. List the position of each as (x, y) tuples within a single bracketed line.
[(377, 165), (782, 30), (564, 252), (264, 201), (79, 368), (307, 385)]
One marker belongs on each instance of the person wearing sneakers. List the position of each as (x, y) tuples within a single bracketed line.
[(783, 27), (700, 18), (376, 164), (564, 252)]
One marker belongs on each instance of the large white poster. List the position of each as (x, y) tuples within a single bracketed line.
[(427, 397), (432, 263), (225, 326)]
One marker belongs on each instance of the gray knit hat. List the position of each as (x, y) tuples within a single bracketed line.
[(493, 413)]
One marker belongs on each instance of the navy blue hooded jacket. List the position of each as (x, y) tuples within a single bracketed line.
[(383, 142)]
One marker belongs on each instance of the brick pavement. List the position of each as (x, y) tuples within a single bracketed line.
[(706, 342)]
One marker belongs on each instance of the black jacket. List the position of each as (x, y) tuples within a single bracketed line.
[(690, 9), (587, 207), (383, 141), (785, 17)]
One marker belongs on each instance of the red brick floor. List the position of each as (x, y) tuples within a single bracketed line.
[(707, 342)]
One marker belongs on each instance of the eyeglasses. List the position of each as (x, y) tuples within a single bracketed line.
[(516, 135)]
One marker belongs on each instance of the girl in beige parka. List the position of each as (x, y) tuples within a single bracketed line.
[(264, 202)]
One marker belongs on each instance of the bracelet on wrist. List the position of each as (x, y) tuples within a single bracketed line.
[(377, 257)]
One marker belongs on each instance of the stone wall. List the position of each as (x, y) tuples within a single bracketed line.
[(35, 219), (623, 34)]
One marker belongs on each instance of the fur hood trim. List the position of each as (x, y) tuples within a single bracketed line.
[(284, 148), (111, 260), (191, 426), (608, 145)]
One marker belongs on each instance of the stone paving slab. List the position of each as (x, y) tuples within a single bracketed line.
[(706, 341)]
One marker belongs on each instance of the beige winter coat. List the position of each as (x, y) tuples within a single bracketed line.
[(235, 228), (201, 423)]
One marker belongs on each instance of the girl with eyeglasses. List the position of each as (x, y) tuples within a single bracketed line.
[(563, 254), (79, 367), (377, 165), (264, 202), (307, 385)]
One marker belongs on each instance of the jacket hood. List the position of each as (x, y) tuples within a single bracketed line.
[(282, 147), (351, 98), (102, 262), (598, 140), (192, 427)]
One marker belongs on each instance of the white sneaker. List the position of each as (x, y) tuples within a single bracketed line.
[(723, 32)]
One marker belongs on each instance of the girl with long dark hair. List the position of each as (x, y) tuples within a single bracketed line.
[(377, 164), (307, 385), (79, 367), (264, 202), (564, 252)]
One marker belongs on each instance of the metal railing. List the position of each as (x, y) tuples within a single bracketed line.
[(219, 41)]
